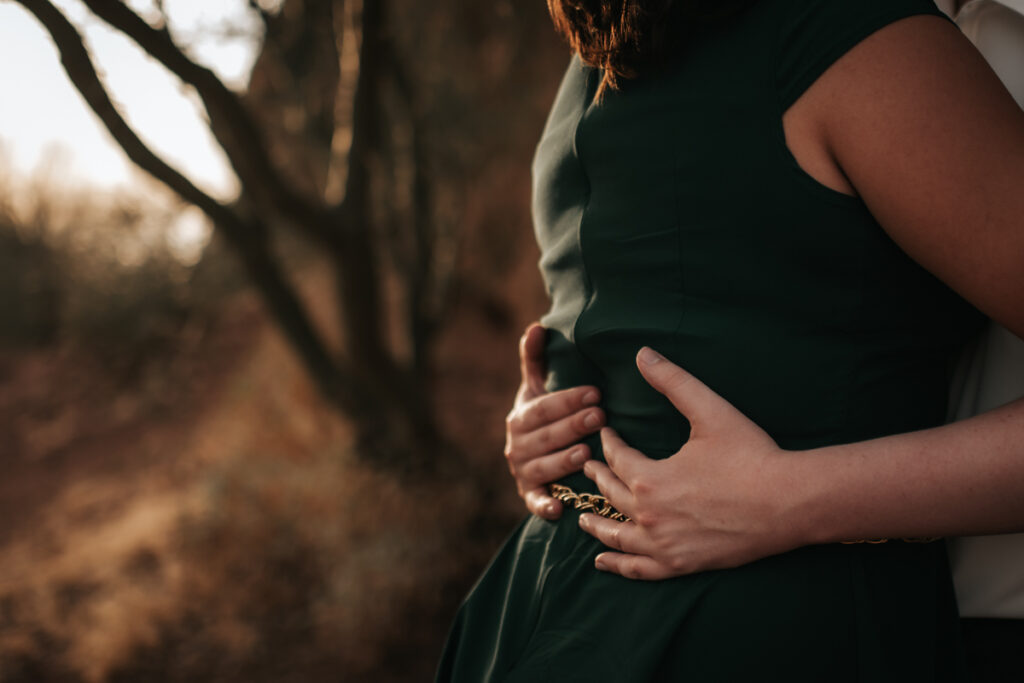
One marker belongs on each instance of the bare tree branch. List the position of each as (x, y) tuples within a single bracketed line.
[(249, 237), (292, 92), (420, 284), (359, 286), (230, 121), (393, 417), (79, 68), (351, 239)]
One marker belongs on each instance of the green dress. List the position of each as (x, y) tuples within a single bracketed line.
[(672, 214)]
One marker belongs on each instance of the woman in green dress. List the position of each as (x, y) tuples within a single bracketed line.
[(767, 194)]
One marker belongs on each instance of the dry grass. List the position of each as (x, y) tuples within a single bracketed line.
[(233, 538)]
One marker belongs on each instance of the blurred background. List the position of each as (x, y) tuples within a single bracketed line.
[(263, 269)]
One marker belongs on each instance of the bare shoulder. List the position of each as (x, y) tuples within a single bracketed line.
[(934, 144)]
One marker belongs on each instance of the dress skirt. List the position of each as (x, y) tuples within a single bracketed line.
[(829, 613)]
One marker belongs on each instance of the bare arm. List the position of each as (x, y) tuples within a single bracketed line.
[(965, 478), (935, 146)]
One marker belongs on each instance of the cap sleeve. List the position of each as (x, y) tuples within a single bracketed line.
[(816, 33)]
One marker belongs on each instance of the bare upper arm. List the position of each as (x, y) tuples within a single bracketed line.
[(934, 145)]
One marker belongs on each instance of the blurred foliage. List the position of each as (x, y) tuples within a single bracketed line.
[(29, 283), (179, 504), (277, 574), (104, 273)]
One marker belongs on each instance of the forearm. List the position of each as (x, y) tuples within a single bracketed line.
[(964, 478)]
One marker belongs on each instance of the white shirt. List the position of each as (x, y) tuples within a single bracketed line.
[(989, 570)]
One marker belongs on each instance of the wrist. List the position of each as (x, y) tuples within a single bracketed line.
[(804, 511)]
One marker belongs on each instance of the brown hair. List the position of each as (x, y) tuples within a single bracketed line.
[(626, 38)]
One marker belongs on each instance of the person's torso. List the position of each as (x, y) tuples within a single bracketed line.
[(671, 214)]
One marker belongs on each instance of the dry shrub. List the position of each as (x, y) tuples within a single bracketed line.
[(66, 618), (112, 272), (325, 569), (278, 571), (281, 571)]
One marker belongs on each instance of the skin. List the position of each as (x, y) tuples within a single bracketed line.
[(914, 122), (542, 429)]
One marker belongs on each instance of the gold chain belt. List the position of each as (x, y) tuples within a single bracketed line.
[(599, 505), (587, 502)]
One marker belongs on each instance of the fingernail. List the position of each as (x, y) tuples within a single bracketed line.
[(584, 521), (588, 469), (599, 563), (590, 398), (591, 421), (578, 456), (649, 356)]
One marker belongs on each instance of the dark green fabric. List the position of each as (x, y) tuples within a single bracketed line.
[(672, 214)]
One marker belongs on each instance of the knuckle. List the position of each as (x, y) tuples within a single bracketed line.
[(646, 517), (631, 569), (542, 411), (514, 421), (615, 537), (528, 473), (642, 487), (516, 457), (566, 463), (665, 546), (675, 380), (679, 564), (541, 472), (574, 397)]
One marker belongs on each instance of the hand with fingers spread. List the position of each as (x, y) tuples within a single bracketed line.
[(543, 430), (714, 504)]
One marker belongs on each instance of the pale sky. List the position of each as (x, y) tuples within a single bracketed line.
[(40, 110)]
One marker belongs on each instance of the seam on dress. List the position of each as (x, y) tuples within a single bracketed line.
[(681, 282), (588, 289)]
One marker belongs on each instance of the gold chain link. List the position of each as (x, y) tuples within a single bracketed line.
[(587, 502)]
